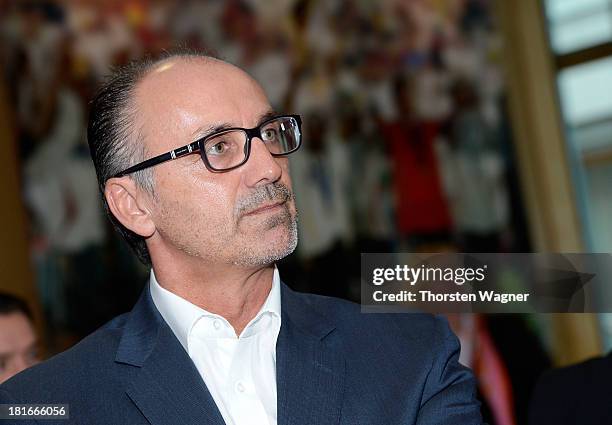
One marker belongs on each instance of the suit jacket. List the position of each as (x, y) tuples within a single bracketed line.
[(576, 395), (334, 365)]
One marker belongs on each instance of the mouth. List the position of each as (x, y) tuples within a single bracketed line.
[(267, 208)]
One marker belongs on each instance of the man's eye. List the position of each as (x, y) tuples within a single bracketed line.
[(269, 134), (218, 148)]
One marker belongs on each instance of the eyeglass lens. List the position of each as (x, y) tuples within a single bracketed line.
[(228, 149)]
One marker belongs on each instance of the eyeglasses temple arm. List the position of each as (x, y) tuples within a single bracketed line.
[(168, 156)]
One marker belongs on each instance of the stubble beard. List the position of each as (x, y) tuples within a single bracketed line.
[(249, 250), (277, 250)]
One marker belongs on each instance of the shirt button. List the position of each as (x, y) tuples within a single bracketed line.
[(217, 324), (240, 387)]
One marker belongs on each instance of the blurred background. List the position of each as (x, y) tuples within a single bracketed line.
[(429, 125)]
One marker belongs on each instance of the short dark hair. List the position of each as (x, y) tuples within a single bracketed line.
[(115, 142), (11, 304)]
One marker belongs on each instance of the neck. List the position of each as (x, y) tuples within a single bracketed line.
[(233, 292)]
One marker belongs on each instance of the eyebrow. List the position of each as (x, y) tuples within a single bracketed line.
[(207, 130)]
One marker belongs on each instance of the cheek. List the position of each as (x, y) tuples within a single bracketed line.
[(283, 162), (286, 179), (286, 171), (214, 196), (197, 200)]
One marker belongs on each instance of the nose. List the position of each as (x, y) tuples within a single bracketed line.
[(262, 168)]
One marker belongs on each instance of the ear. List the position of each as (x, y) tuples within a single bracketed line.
[(128, 204)]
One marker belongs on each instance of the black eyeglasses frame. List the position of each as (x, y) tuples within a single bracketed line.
[(198, 146)]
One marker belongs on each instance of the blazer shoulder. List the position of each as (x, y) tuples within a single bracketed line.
[(72, 370)]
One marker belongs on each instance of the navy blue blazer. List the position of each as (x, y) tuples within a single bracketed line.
[(334, 365)]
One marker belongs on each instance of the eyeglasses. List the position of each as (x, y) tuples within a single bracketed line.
[(231, 148)]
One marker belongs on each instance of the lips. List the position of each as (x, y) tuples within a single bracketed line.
[(265, 208)]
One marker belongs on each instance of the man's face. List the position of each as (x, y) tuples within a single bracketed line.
[(17, 345), (245, 216)]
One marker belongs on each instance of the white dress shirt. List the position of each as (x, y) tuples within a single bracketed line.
[(239, 371)]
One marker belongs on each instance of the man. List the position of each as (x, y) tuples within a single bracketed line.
[(17, 337), (216, 337)]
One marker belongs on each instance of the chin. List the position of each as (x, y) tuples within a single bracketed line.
[(268, 247)]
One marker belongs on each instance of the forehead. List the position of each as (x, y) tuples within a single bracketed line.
[(181, 96)]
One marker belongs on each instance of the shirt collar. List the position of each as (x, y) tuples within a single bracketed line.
[(181, 315)]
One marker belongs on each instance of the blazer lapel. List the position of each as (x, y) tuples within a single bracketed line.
[(309, 370), (168, 388)]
